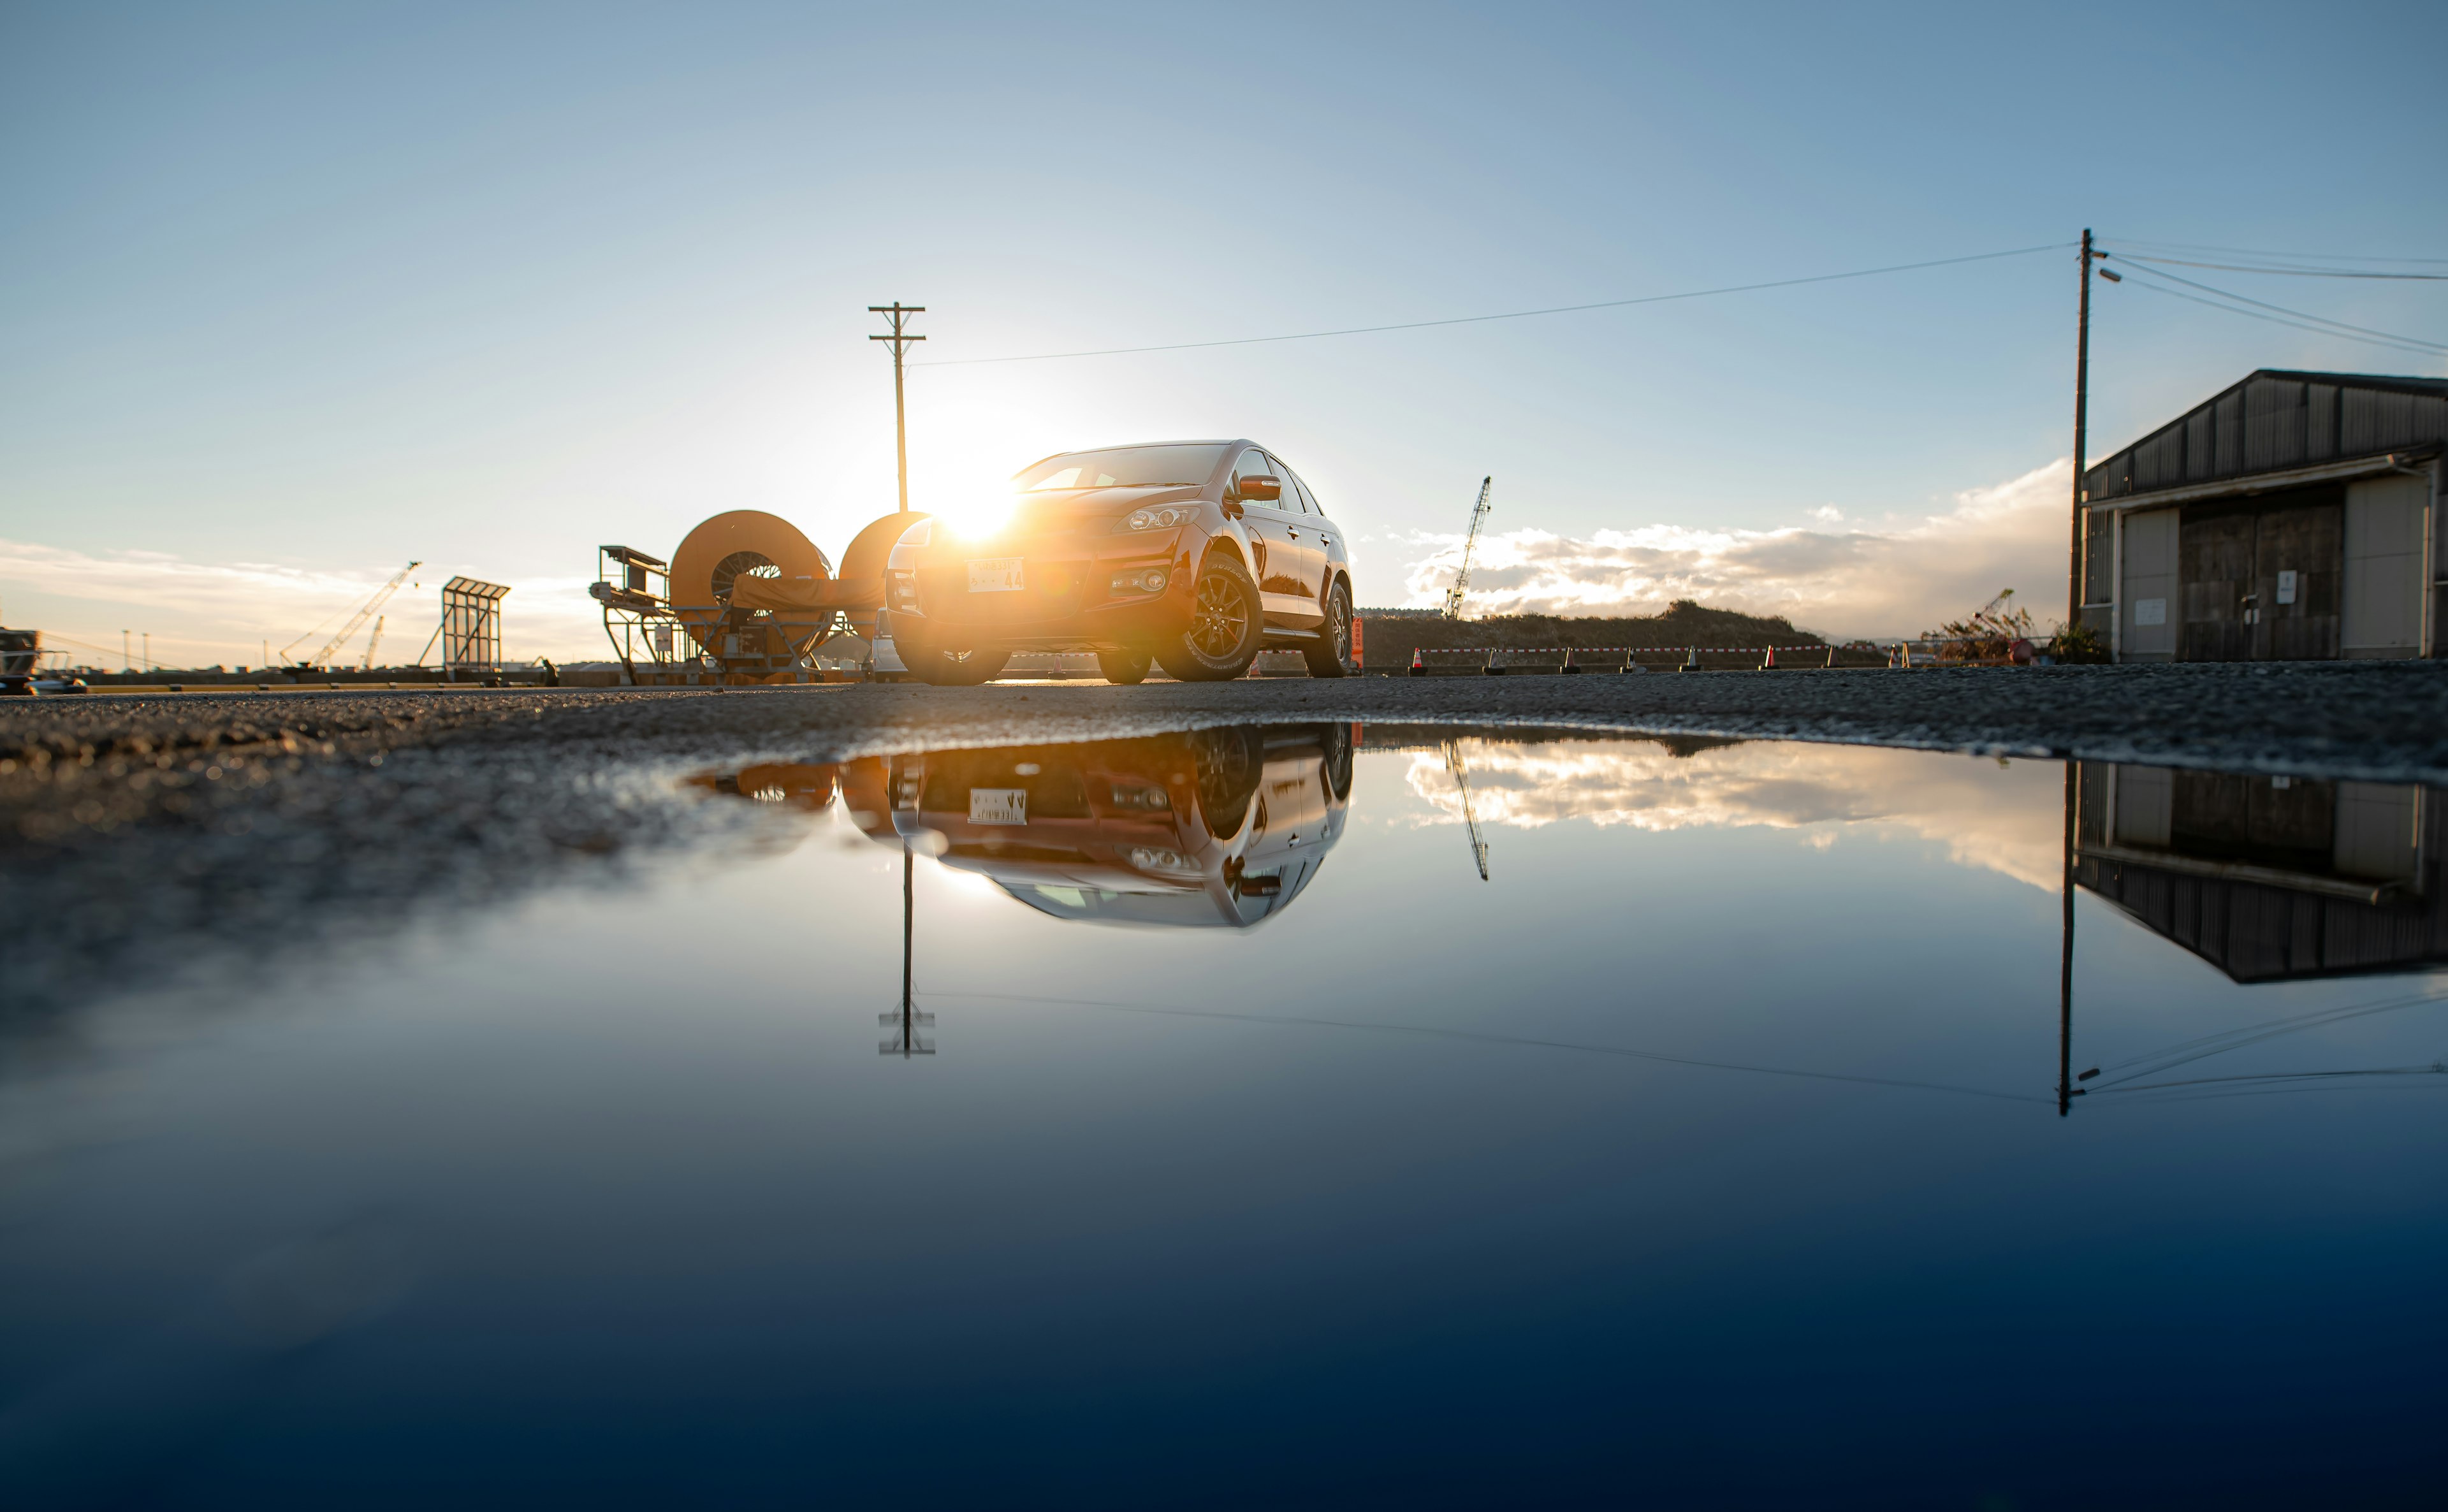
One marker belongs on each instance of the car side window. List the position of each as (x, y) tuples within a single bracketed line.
[(1308, 500)]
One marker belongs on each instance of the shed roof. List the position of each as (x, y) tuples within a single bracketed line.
[(2276, 420)]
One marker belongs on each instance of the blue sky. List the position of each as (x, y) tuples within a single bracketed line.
[(290, 295)]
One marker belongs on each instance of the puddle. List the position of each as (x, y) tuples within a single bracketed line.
[(1298, 1113)]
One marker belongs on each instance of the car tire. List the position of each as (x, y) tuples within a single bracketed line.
[(1228, 622), (1229, 761), (1123, 668), (952, 666), (1329, 656), (1337, 741)]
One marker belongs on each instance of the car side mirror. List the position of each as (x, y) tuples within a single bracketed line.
[(1232, 507), (1263, 487)]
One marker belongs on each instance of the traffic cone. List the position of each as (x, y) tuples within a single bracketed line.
[(1768, 663), (1690, 659), (1417, 670)]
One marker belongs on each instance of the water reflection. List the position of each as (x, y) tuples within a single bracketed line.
[(1216, 828), (1716, 1134), (2268, 878)]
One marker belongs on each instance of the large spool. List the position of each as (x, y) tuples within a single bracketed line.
[(741, 543)]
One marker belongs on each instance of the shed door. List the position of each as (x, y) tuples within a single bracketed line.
[(2215, 552), (2383, 588), (2149, 631), (2295, 559)]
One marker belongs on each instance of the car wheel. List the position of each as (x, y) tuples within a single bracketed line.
[(1124, 667), (1338, 760), (1227, 623), (1228, 762), (1329, 656), (952, 667)]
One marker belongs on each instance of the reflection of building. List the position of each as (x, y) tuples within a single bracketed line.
[(2268, 878), (1221, 827)]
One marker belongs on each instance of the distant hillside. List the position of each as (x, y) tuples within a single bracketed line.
[(1389, 639)]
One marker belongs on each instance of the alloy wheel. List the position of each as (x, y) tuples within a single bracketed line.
[(1222, 618)]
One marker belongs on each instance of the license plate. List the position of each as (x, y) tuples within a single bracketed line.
[(995, 575), (998, 805)]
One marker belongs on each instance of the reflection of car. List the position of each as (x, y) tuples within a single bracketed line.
[(809, 787), (1210, 826), (1192, 555)]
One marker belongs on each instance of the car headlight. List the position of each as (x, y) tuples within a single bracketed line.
[(1163, 517), (1141, 797), (1157, 858), (902, 589), (1145, 579)]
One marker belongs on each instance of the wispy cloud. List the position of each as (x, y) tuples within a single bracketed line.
[(2006, 821), (1904, 574), (227, 611)]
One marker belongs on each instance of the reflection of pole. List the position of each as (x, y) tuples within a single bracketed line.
[(905, 1043), (2065, 959)]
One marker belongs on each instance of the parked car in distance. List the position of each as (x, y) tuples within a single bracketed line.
[(1190, 555)]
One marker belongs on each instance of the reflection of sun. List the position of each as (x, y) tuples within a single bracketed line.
[(966, 881)]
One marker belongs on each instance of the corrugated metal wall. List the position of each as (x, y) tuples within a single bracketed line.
[(2272, 422)]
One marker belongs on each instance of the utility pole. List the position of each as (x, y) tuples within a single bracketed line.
[(899, 314), (149, 650), (125, 665), (2081, 422)]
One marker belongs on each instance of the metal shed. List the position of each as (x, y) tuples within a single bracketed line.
[(2294, 517)]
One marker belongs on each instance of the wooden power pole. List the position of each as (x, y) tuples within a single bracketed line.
[(2081, 421), (899, 314)]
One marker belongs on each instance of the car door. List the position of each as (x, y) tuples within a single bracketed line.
[(1315, 534), (1279, 567)]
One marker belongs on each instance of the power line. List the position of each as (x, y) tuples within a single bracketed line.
[(2291, 273), (2318, 325), (2295, 325), (2295, 257), (1471, 1035), (1510, 314), (2300, 314)]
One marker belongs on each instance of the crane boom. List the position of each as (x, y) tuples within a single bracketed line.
[(1462, 578), (1461, 770), (365, 612)]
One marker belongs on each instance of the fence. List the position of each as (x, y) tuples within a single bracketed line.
[(1858, 655)]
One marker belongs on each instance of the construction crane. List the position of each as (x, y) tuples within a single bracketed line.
[(365, 612), (1461, 578), (373, 639), (1460, 771)]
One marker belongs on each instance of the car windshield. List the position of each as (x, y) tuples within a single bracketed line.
[(1123, 468)]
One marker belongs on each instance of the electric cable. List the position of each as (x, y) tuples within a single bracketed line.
[(2300, 314), (2291, 273), (1510, 314), (2256, 251), (1424, 1031), (2412, 345), (2435, 1068), (2208, 1046)]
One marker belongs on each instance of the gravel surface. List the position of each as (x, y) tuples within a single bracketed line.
[(150, 836)]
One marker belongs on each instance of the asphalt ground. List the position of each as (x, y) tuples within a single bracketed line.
[(148, 839)]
